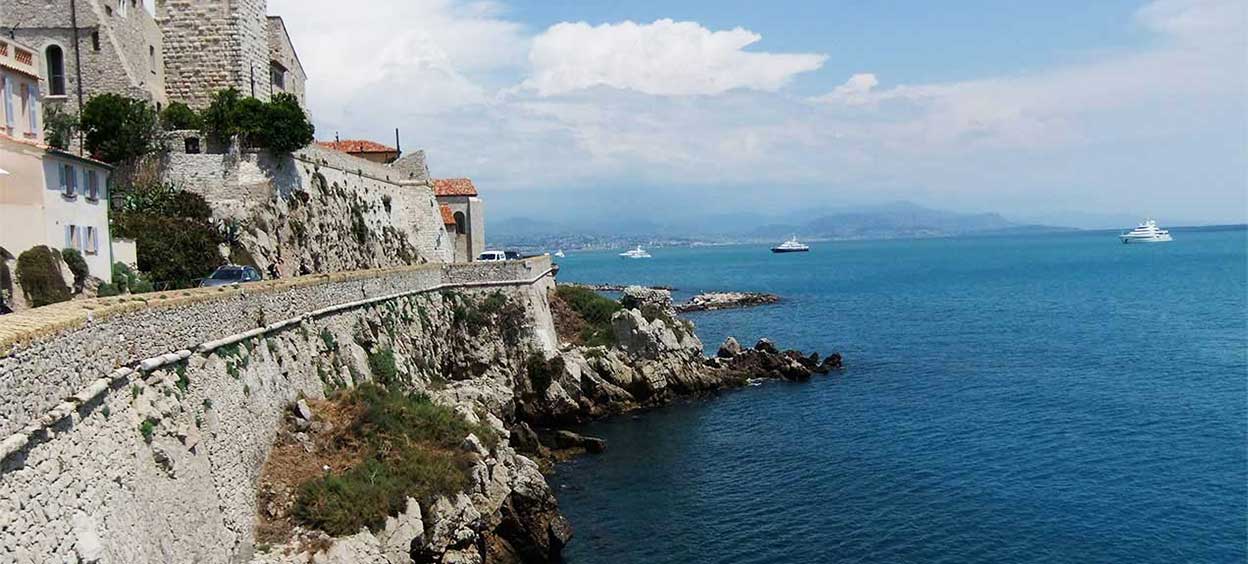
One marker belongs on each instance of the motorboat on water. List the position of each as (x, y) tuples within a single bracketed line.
[(790, 246), (559, 253), (1146, 232), (637, 253)]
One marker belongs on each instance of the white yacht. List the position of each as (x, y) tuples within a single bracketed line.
[(1147, 232), (559, 253), (790, 246), (637, 253)]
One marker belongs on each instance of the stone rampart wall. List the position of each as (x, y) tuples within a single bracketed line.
[(161, 464), (52, 353)]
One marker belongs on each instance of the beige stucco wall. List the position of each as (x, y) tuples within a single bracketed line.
[(21, 196)]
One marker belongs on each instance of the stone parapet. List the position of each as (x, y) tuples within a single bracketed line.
[(51, 353)]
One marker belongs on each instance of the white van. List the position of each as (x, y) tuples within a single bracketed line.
[(491, 256)]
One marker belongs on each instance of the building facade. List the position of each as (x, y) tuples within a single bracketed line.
[(90, 47), (467, 215), (47, 197)]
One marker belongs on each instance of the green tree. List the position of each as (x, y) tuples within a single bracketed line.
[(220, 117), (287, 127), (39, 272), (58, 126), (180, 116), (118, 128)]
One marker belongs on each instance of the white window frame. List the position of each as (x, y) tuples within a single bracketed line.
[(71, 237), (90, 242), (121, 7)]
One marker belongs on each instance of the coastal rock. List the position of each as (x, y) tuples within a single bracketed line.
[(729, 349), (568, 439), (640, 297), (710, 301), (524, 439), (766, 346)]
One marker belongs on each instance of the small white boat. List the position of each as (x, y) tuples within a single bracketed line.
[(790, 246), (1147, 232), (559, 253), (637, 253)]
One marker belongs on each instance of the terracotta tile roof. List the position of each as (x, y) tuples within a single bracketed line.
[(448, 218), (357, 146), (453, 187)]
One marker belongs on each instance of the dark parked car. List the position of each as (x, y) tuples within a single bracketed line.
[(231, 274)]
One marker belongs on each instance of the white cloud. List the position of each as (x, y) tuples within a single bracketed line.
[(676, 104), (660, 58)]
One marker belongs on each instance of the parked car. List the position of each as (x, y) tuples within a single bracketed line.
[(231, 274), (491, 256), (512, 255)]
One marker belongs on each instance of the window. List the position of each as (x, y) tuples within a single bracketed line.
[(151, 57), (72, 240), (95, 40), (461, 223), (33, 109), (90, 245), (93, 185), (121, 7), (277, 75), (56, 70), (69, 180)]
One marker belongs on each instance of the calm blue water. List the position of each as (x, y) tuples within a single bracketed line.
[(1058, 398)]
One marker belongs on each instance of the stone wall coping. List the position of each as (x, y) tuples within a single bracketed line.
[(18, 330), (43, 427)]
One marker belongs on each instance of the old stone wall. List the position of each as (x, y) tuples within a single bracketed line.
[(212, 45), (318, 210), (160, 465), (283, 51)]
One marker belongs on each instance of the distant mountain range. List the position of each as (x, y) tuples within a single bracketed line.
[(887, 221)]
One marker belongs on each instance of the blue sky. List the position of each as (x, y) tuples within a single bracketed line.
[(1040, 110)]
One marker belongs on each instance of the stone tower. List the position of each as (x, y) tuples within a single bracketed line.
[(212, 45)]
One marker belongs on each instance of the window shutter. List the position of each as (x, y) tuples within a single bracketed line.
[(8, 100), (64, 181), (34, 104)]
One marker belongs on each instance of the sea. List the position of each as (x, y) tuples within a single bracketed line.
[(1041, 398)]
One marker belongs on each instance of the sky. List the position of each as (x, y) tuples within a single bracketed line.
[(1064, 112)]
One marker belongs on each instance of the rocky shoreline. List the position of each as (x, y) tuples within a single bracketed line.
[(509, 513), (709, 301)]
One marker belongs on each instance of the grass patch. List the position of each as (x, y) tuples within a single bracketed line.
[(411, 450), (147, 428), (382, 365)]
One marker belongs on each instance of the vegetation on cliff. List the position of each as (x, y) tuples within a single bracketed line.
[(382, 446), (583, 316), (279, 124), (117, 128), (177, 241)]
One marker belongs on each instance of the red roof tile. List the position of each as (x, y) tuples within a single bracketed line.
[(448, 218), (357, 146), (453, 187)]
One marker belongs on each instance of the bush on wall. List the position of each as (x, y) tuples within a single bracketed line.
[(118, 128), (279, 124), (39, 273), (177, 116), (77, 265), (173, 251)]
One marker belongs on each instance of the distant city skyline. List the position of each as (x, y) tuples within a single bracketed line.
[(565, 109)]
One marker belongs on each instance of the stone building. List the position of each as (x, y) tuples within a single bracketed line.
[(364, 149), (90, 47), (467, 210), (47, 197), (212, 45)]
